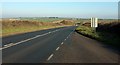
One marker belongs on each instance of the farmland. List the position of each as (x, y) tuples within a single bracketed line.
[(43, 19), (24, 25)]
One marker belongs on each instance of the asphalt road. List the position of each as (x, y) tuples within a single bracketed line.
[(33, 47), (80, 49), (59, 45)]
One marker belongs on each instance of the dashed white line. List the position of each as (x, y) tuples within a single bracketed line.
[(57, 48), (69, 34), (65, 39), (50, 57), (61, 43)]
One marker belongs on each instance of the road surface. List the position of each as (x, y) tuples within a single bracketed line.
[(58, 45)]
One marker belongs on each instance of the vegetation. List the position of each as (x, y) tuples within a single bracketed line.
[(43, 19), (11, 27), (108, 33)]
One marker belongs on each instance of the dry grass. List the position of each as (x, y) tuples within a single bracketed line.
[(17, 26)]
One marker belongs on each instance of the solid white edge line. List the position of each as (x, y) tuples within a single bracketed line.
[(5, 45), (13, 44), (50, 57), (0, 48)]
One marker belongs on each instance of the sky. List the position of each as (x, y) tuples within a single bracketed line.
[(107, 10), (59, 0)]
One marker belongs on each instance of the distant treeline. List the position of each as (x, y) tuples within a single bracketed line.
[(53, 17)]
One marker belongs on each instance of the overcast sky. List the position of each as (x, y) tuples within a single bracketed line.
[(60, 9)]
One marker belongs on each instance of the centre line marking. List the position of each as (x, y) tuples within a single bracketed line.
[(57, 48), (50, 57), (61, 43), (65, 39)]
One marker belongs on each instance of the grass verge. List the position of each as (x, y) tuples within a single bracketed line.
[(19, 30), (105, 37)]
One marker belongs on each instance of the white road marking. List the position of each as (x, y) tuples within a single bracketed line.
[(38, 35), (13, 44), (57, 48), (10, 44), (61, 43), (69, 34), (54, 31), (5, 45), (65, 39), (0, 48), (50, 57)]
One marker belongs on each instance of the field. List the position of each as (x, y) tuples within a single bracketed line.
[(43, 19), (107, 32), (11, 26)]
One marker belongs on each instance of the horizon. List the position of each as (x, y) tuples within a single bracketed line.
[(58, 17), (102, 10)]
